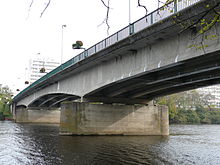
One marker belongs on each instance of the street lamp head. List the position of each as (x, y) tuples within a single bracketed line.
[(42, 70), (63, 26), (77, 45), (26, 82)]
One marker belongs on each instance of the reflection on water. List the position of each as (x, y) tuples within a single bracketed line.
[(29, 144)]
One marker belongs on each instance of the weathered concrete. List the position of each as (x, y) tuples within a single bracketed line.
[(107, 119), (27, 115)]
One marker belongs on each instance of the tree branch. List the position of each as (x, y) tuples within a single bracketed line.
[(197, 22), (31, 4), (107, 16), (139, 5), (30, 8), (48, 3)]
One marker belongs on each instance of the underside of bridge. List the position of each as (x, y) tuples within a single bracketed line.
[(185, 75), (52, 100), (140, 89)]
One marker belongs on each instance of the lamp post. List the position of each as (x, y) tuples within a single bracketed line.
[(61, 60)]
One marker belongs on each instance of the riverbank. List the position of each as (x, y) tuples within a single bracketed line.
[(6, 116), (197, 116)]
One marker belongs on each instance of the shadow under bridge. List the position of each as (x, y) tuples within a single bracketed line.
[(52, 100), (185, 75)]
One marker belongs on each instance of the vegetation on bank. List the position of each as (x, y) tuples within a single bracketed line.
[(190, 107), (5, 101)]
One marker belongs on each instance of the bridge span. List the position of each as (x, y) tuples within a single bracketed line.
[(162, 53)]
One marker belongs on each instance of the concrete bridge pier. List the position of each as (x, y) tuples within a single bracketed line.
[(37, 115), (84, 118)]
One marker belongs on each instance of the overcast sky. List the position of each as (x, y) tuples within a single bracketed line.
[(23, 33)]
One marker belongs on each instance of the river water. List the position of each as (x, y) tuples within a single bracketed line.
[(31, 144)]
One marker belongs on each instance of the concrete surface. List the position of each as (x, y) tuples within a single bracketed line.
[(27, 115), (106, 119)]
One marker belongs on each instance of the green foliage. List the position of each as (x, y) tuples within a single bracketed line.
[(211, 37), (201, 112), (198, 46), (5, 101), (205, 25), (198, 27), (170, 102), (2, 116), (213, 117), (190, 107)]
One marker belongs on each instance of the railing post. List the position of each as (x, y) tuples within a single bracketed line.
[(151, 18), (84, 54), (131, 29)]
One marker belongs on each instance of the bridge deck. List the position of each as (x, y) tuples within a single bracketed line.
[(158, 23)]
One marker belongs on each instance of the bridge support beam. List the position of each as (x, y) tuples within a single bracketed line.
[(107, 119), (36, 115)]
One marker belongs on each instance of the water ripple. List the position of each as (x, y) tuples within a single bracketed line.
[(31, 144)]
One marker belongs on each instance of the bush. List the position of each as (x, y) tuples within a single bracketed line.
[(200, 115), (2, 116)]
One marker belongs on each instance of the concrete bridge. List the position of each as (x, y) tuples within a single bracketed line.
[(106, 89)]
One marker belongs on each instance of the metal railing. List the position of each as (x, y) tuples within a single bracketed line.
[(136, 26)]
